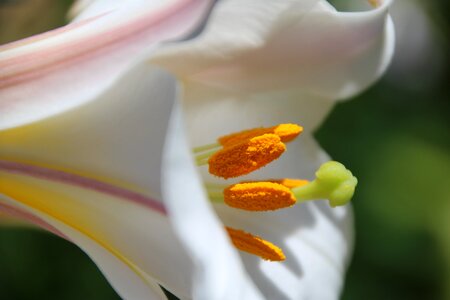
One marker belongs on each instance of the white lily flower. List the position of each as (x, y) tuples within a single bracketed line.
[(93, 146)]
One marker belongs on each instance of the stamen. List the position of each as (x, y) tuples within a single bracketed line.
[(202, 159), (204, 148), (245, 157), (334, 182), (258, 196), (286, 132), (255, 245)]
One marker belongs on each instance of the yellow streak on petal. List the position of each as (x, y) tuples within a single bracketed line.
[(61, 208), (29, 137), (255, 245)]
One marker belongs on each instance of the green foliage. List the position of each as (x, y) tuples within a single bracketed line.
[(399, 151)]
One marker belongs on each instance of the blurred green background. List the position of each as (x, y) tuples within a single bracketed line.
[(395, 136)]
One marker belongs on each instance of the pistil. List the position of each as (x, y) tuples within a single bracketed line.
[(333, 182)]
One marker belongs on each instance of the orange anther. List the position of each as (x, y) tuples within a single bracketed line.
[(238, 137), (286, 132), (245, 157), (258, 196), (255, 245)]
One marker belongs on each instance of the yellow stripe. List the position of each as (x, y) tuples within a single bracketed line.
[(24, 137), (33, 198)]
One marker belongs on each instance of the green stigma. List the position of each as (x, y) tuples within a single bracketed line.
[(333, 182)]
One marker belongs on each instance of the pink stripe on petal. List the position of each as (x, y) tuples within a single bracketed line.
[(82, 182), (72, 68), (29, 217), (20, 68)]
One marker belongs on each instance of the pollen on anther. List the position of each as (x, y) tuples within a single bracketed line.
[(258, 196), (286, 132), (245, 157), (255, 245)]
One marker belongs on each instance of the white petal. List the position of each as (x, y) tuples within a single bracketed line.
[(125, 144), (119, 136), (218, 272), (133, 244), (125, 281), (212, 113), (58, 70), (259, 46)]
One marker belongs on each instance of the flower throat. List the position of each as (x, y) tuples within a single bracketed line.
[(241, 153)]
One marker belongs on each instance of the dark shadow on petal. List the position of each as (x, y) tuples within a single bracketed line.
[(275, 227), (264, 284), (341, 222)]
